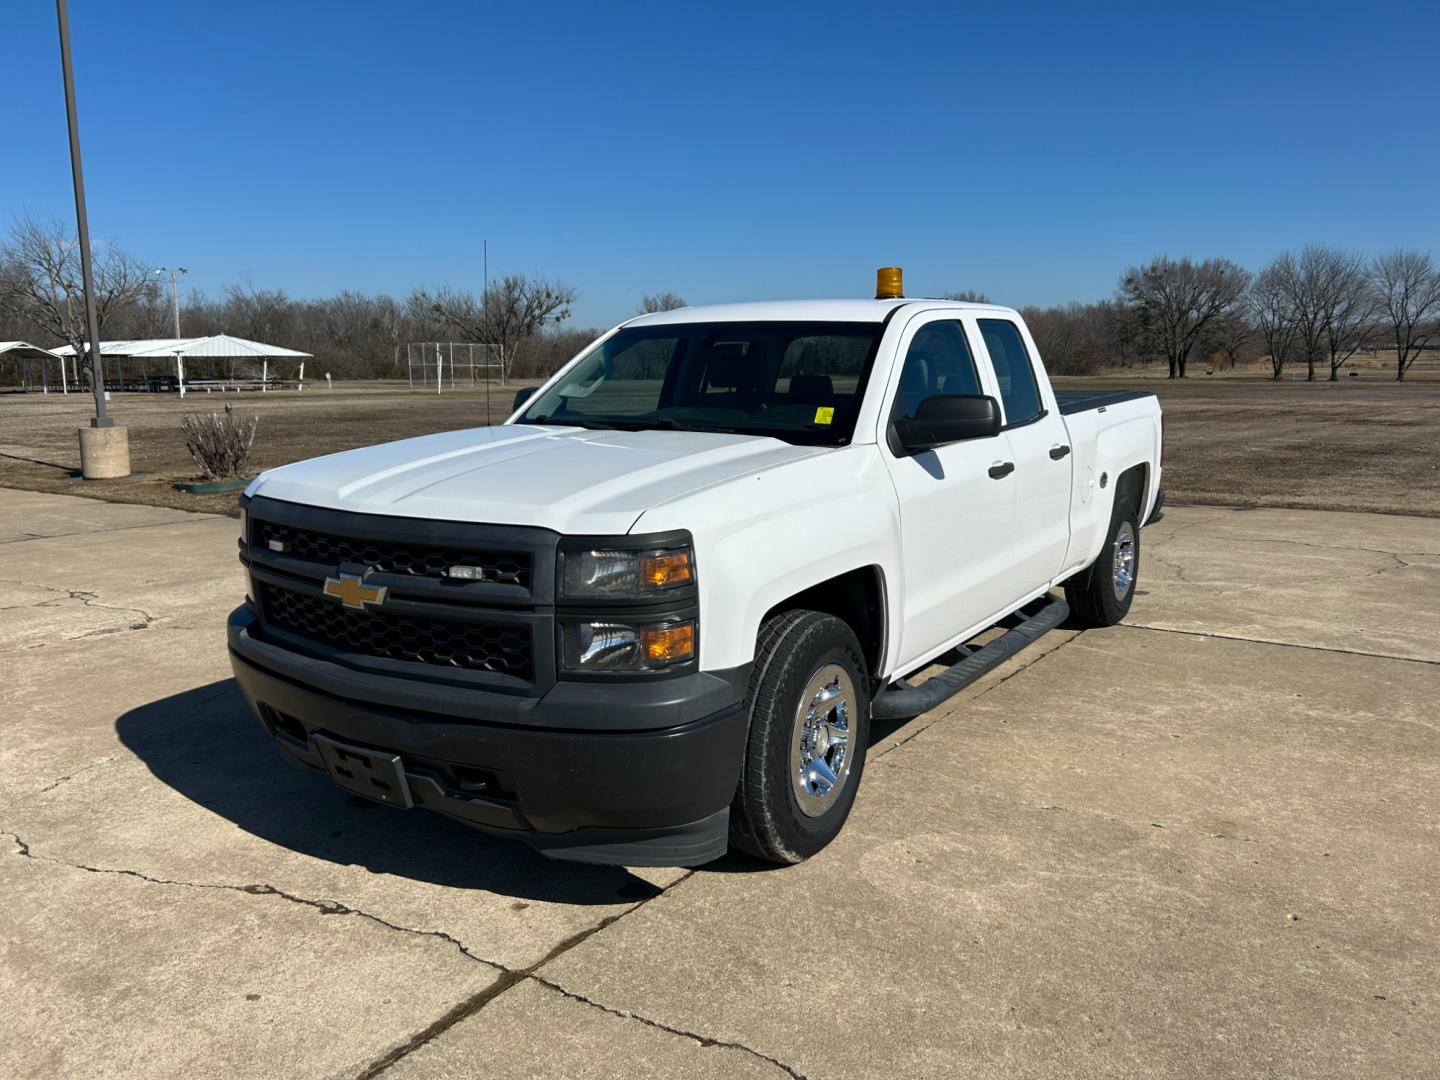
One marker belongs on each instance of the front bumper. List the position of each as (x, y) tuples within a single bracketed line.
[(635, 773)]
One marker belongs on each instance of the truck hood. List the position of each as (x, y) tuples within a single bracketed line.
[(571, 480)]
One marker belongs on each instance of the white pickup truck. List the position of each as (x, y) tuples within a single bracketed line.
[(651, 616)]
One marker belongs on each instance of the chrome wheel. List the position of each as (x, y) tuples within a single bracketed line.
[(820, 747), (1122, 560)]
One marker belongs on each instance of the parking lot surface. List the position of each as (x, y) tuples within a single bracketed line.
[(1203, 843)]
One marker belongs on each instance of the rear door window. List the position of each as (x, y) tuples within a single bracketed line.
[(1019, 392)]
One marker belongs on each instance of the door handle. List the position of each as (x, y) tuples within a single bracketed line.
[(1058, 452), (1001, 469)]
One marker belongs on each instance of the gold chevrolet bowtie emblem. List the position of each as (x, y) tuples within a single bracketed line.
[(352, 591)]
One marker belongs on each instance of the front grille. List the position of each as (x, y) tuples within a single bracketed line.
[(503, 649), (417, 560)]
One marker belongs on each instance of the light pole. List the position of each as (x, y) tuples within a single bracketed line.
[(174, 289), (104, 448)]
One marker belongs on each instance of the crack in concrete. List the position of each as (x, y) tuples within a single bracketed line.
[(1328, 547), (325, 907), (1279, 644), (705, 1041), (86, 597), (190, 518), (1175, 566), (71, 776), (508, 977), (1181, 574)]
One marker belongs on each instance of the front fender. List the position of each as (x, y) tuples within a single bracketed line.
[(761, 539)]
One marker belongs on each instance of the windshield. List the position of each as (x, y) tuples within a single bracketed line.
[(797, 381)]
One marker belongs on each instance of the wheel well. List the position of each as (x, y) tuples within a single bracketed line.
[(1131, 484), (856, 598)]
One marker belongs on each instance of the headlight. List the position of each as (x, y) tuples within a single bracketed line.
[(624, 647), (244, 522), (610, 573)]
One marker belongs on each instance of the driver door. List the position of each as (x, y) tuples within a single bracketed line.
[(957, 502)]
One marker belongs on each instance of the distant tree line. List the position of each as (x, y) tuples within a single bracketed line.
[(351, 334), (1315, 309)]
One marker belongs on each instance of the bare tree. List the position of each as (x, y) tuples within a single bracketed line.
[(1174, 301), (1080, 339), (1272, 306), (1228, 335), (390, 317), (1334, 306), (260, 314), (665, 301), (1307, 301), (969, 296), (1407, 289), (509, 313), (44, 284), (1116, 334), (1349, 306)]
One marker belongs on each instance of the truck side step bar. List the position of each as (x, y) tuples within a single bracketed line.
[(900, 700)]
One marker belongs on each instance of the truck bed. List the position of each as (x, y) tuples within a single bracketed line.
[(1074, 401)]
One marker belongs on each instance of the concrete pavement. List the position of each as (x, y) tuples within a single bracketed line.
[(1203, 843)]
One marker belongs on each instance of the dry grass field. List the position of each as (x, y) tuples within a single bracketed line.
[(1247, 441), (1365, 444)]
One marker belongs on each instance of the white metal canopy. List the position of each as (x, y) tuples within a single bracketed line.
[(213, 347), (216, 346), (23, 350), (23, 353)]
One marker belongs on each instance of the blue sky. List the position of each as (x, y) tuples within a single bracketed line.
[(754, 151)]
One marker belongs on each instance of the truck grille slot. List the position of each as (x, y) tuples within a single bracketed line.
[(504, 649), (417, 560)]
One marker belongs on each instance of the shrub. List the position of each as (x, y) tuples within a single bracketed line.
[(220, 443)]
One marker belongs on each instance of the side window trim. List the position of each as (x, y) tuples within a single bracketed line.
[(1042, 411)]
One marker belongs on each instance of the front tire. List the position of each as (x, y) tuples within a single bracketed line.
[(809, 709), (1104, 599)]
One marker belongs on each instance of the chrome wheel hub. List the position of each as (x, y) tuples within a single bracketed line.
[(1122, 560), (820, 747)]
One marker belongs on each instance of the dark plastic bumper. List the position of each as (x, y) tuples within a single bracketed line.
[(640, 791)]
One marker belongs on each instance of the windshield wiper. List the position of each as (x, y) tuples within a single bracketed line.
[(669, 423), (713, 428)]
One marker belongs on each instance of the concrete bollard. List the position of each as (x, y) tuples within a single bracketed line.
[(104, 452)]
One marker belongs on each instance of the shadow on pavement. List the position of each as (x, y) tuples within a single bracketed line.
[(205, 744)]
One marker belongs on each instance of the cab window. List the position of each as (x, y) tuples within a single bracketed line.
[(1013, 371), (937, 362)]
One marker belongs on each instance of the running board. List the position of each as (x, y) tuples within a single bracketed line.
[(902, 701)]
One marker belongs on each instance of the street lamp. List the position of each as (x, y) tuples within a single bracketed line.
[(174, 289), (104, 448)]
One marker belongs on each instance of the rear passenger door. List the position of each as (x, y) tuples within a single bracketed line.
[(1039, 445), (956, 515)]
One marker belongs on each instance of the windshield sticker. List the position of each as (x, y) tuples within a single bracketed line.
[(825, 414)]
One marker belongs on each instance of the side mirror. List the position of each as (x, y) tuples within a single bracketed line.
[(948, 418), (524, 394)]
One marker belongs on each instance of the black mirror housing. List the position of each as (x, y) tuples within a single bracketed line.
[(524, 394), (947, 418)]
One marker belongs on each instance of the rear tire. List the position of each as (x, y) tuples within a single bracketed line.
[(809, 709), (1104, 597)]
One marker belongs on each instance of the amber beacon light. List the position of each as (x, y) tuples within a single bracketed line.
[(888, 285)]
